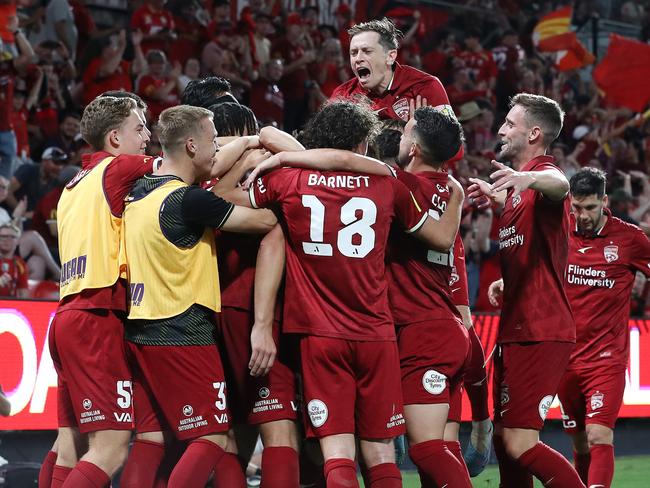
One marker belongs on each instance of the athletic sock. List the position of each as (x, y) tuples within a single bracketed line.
[(231, 474), (475, 380), (581, 463), (439, 464), (142, 464), (385, 475), (340, 473), (455, 449), (511, 473), (280, 467), (45, 473), (197, 463), (59, 475), (601, 469), (87, 475), (550, 467)]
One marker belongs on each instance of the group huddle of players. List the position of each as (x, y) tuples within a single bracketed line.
[(342, 312)]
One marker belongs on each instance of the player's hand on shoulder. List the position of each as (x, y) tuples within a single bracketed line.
[(495, 293), (416, 103), (263, 349), (263, 166)]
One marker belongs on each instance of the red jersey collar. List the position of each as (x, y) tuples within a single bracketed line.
[(543, 159)]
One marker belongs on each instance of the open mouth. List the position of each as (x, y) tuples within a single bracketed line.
[(363, 73)]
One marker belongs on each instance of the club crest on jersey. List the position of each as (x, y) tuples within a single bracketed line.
[(611, 253), (516, 201), (401, 108), (597, 400), (441, 188)]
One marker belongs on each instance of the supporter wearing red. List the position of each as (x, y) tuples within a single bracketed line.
[(169, 242), (605, 253), (189, 29), (267, 98), (433, 343), (33, 180), (86, 338), (534, 341), (160, 87), (350, 341), (391, 87), (13, 270), (508, 57), (296, 54), (9, 68), (478, 61), (23, 102), (156, 25), (106, 69), (330, 70)]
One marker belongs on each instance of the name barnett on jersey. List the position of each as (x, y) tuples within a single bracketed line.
[(578, 275), (508, 237), (339, 181)]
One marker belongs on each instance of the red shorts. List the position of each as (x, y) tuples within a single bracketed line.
[(179, 389), (590, 396), (526, 378), (253, 400), (432, 358), (351, 387), (88, 351), (456, 404)]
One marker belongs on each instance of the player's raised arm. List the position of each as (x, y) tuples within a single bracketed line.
[(276, 140), (550, 182), (268, 276), (231, 153)]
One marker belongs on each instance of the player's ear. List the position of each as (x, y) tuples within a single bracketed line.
[(414, 150), (535, 134), (190, 147), (114, 138), (391, 56), (605, 200)]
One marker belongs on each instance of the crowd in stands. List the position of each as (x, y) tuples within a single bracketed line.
[(284, 63)]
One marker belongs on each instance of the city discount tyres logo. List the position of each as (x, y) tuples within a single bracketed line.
[(318, 412)]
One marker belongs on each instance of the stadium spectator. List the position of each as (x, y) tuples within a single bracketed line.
[(261, 42), (330, 68), (160, 88), (59, 26), (32, 180), (478, 62), (267, 98), (191, 72), (10, 67), (22, 105), (591, 391), (68, 137), (155, 24), (508, 57), (13, 270), (189, 30), (227, 56)]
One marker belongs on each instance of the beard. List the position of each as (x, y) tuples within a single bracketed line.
[(509, 150)]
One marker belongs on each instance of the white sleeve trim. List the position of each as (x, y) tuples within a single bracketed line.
[(418, 225)]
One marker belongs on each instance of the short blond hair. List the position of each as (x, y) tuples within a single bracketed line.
[(176, 124), (103, 115)]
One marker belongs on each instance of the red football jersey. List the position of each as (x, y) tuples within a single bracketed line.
[(16, 268), (481, 65), (599, 283), (237, 258), (533, 243), (458, 280), (151, 22), (119, 177), (336, 226), (406, 85), (419, 277)]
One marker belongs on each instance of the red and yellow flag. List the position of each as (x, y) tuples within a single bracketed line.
[(553, 34)]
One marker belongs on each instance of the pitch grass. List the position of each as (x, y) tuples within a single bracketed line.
[(631, 472)]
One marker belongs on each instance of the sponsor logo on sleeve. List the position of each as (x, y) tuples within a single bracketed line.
[(318, 412), (434, 382), (544, 406)]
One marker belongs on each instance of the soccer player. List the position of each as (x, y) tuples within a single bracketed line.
[(86, 336), (207, 91), (337, 227), (174, 285), (535, 341), (604, 255)]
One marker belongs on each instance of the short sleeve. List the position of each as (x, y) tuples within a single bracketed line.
[(271, 188), (409, 212), (203, 208), (640, 252), (120, 176)]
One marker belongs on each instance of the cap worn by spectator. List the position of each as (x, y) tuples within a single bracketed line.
[(580, 131), (54, 154), (468, 111)]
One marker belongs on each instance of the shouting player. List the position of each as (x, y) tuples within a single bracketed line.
[(535, 341), (86, 336), (604, 255), (174, 284)]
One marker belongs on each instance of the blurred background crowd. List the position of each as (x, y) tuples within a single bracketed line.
[(284, 58)]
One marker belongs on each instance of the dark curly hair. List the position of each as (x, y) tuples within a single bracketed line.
[(340, 125), (386, 143), (206, 92), (438, 134), (232, 119)]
